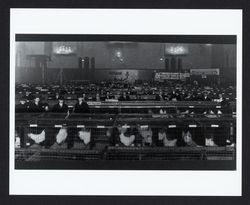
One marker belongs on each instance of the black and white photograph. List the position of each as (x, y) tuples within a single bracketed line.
[(126, 98)]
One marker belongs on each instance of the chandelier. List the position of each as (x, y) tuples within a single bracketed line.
[(63, 50)]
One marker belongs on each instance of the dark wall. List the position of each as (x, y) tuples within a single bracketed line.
[(224, 57), (148, 56), (131, 55)]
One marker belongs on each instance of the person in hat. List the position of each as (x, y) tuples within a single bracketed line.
[(60, 107), (124, 97), (205, 97), (97, 97), (35, 105), (22, 106), (81, 106), (28, 96), (55, 96), (225, 106), (174, 96), (108, 96), (160, 96)]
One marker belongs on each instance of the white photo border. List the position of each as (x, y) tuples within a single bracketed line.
[(133, 22)]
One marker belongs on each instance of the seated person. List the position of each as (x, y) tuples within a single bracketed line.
[(146, 134), (97, 97), (81, 106), (54, 97), (45, 106), (219, 98), (174, 96), (126, 137), (160, 96), (61, 138), (188, 97), (205, 97), (36, 105), (22, 106), (124, 97), (28, 96), (183, 95), (83, 96), (108, 96), (102, 95), (225, 107), (84, 139), (194, 96), (60, 107), (164, 139), (187, 138)]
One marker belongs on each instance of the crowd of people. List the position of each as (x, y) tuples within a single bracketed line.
[(172, 91), (35, 98)]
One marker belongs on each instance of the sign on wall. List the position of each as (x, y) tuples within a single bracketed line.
[(183, 76), (124, 75), (167, 76), (205, 72)]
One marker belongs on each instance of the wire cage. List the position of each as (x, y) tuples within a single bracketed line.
[(143, 128), (51, 136)]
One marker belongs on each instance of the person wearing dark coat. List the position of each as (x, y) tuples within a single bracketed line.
[(107, 97), (54, 97), (174, 96), (160, 97), (22, 106), (36, 105), (60, 106), (205, 97), (97, 98), (28, 96), (225, 106), (81, 106), (124, 97)]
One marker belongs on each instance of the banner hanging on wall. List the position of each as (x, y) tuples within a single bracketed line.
[(166, 76), (205, 72)]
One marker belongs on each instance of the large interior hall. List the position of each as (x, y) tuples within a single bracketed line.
[(148, 100)]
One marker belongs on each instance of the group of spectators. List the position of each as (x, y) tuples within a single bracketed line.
[(126, 91), (31, 101)]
